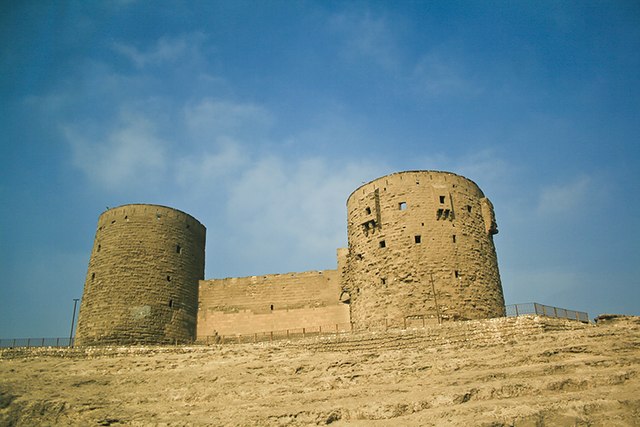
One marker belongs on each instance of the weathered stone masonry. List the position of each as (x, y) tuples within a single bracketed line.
[(415, 233), (142, 281), (420, 245)]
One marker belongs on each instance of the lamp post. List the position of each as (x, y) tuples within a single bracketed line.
[(75, 303)]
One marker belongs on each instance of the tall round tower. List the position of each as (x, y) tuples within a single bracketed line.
[(142, 281), (421, 247)]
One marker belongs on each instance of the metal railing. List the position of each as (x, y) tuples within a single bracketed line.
[(408, 322), (515, 310), (36, 342), (334, 329)]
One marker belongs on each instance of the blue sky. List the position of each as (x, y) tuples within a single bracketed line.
[(260, 118)]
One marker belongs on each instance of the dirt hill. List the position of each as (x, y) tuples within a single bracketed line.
[(526, 371)]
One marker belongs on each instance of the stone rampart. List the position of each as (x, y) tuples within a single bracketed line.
[(271, 302)]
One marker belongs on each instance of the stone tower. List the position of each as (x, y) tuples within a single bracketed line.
[(142, 281), (421, 247)]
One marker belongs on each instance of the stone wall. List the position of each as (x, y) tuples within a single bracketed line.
[(420, 244), (272, 302), (142, 281)]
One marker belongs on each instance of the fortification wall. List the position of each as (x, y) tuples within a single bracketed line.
[(270, 303), (420, 243), (142, 280)]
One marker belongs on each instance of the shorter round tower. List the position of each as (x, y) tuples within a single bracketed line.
[(142, 280), (421, 248)]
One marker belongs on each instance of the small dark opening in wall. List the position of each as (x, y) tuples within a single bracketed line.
[(99, 247), (383, 280), (402, 206), (457, 273), (417, 238), (383, 244), (187, 225), (157, 216), (368, 210), (126, 217), (271, 307), (178, 249), (441, 199), (93, 276), (113, 222), (454, 238), (469, 208), (168, 278), (170, 303)]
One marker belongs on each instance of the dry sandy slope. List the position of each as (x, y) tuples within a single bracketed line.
[(525, 372)]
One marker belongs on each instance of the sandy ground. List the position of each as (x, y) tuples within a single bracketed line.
[(503, 372)]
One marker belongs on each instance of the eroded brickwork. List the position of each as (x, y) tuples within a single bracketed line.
[(142, 281), (420, 244), (271, 302)]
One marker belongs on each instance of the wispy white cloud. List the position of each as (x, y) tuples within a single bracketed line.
[(293, 209), (210, 118), (166, 49), (564, 197), (198, 172), (129, 155)]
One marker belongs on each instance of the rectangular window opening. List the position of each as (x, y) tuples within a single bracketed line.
[(368, 210), (93, 276), (469, 208), (402, 206), (442, 199), (178, 249), (383, 244), (168, 278), (417, 238), (383, 280), (454, 238), (170, 303), (457, 274)]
